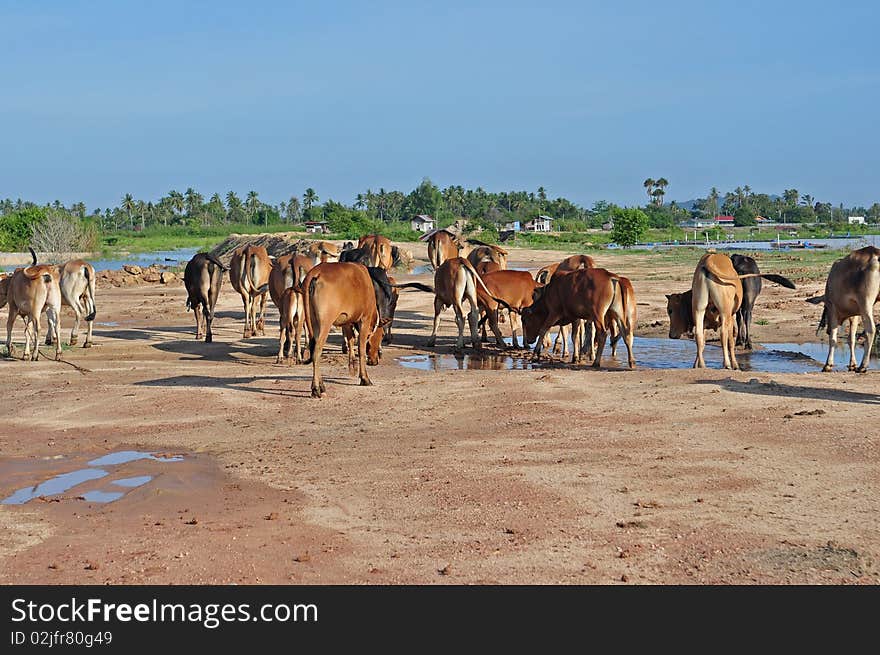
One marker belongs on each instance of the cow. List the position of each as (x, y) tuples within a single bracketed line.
[(360, 255), (488, 267), (202, 278), (679, 309), (322, 252), (544, 275), (514, 288), (481, 252), (342, 294), (380, 250), (288, 271), (249, 274), (716, 281), (751, 289), (77, 282), (29, 292), (442, 245), (591, 294), (455, 281), (851, 290)]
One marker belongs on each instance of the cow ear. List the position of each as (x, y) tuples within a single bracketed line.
[(668, 297)]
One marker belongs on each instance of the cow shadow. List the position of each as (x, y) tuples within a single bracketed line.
[(266, 384), (777, 389), (218, 351), (140, 334)]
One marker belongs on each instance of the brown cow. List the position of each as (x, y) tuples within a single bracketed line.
[(679, 308), (29, 292), (77, 282), (591, 294), (482, 252), (380, 250), (454, 282), (249, 274), (851, 290), (289, 271), (342, 294), (515, 288), (488, 267), (202, 278), (442, 245), (323, 252), (716, 281)]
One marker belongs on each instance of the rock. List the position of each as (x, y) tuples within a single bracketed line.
[(92, 566), (305, 557), (167, 277), (151, 276), (192, 521), (446, 570), (131, 269), (271, 516)]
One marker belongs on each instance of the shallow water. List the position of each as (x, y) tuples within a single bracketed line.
[(176, 257), (650, 352), (64, 482)]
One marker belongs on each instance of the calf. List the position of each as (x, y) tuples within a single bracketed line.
[(249, 274), (202, 278), (342, 294), (29, 292)]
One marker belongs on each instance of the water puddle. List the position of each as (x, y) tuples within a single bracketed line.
[(57, 485), (64, 482), (107, 324), (125, 456), (133, 482), (649, 352)]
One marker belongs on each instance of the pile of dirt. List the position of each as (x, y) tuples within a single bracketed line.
[(131, 275)]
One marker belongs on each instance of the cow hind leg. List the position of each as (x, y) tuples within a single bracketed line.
[(197, 312), (363, 336), (317, 381), (833, 328), (853, 329), (438, 307), (870, 328)]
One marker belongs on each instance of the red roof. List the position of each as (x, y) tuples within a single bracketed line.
[(724, 219)]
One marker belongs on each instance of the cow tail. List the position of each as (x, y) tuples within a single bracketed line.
[(90, 288), (823, 322), (435, 254), (307, 313)]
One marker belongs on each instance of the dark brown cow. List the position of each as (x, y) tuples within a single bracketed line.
[(249, 274), (342, 294), (203, 277), (591, 294), (851, 290)]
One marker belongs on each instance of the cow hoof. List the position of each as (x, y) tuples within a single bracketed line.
[(279, 360), (209, 339), (827, 368), (862, 369), (430, 342), (73, 341), (316, 393), (366, 383), (87, 344), (58, 357)]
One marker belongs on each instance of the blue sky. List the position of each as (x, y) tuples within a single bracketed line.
[(585, 98)]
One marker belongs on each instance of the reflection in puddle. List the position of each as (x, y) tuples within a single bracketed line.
[(133, 482), (57, 485), (649, 352), (66, 481), (125, 456)]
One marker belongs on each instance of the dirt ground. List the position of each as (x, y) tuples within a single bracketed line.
[(555, 475)]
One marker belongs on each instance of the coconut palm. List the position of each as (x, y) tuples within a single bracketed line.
[(175, 201), (128, 207), (252, 203), (661, 185), (309, 199), (713, 201), (649, 185)]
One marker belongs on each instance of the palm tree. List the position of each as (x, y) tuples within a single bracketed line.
[(293, 210), (791, 197), (713, 201), (193, 201), (807, 200), (128, 207), (661, 185), (309, 199), (175, 200), (649, 187), (360, 202), (252, 203)]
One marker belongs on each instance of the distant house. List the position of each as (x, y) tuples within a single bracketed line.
[(422, 223), (722, 221), (317, 227), (856, 220), (696, 223), (539, 224), (513, 226), (762, 220)]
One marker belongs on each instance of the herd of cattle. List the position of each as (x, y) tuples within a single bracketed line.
[(351, 289)]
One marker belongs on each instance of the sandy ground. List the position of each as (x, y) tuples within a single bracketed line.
[(555, 475)]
